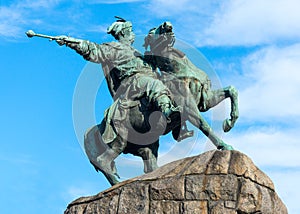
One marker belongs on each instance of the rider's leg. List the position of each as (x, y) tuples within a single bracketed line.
[(156, 92)]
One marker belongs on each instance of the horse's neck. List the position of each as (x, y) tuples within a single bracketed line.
[(170, 52), (178, 53)]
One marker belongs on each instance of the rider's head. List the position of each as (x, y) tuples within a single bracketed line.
[(121, 30)]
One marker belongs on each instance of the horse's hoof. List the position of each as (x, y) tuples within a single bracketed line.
[(228, 147), (227, 125), (117, 175), (225, 147)]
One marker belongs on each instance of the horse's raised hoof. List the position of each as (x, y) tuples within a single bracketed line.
[(227, 125)]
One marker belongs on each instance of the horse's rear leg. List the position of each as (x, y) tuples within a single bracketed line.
[(102, 155), (215, 97), (106, 159)]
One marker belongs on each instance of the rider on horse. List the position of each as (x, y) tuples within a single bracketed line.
[(129, 76)]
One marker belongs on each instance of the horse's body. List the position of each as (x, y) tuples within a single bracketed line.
[(136, 135), (139, 137)]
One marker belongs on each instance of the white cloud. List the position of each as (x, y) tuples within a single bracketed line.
[(7, 18), (15, 16), (113, 1), (76, 192), (275, 91), (207, 22), (276, 152), (98, 28), (286, 186), (19, 160), (268, 146), (37, 4), (187, 16), (231, 22), (241, 22), (183, 8)]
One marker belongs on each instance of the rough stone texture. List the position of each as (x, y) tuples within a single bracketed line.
[(211, 183)]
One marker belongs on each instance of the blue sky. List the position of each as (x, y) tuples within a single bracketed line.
[(253, 45)]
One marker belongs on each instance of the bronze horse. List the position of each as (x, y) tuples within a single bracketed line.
[(182, 76), (137, 128)]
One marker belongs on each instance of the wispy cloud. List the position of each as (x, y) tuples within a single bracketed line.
[(274, 92), (269, 88), (113, 1), (268, 146), (54, 16), (10, 21), (77, 190), (20, 160), (231, 22), (285, 182), (275, 150), (38, 4), (183, 8), (188, 16), (240, 22), (98, 28), (18, 14)]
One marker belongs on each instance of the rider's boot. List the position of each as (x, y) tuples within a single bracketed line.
[(171, 112), (167, 108)]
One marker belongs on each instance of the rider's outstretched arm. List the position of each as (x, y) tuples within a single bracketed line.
[(90, 51), (97, 53)]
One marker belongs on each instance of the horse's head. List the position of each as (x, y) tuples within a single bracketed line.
[(160, 38)]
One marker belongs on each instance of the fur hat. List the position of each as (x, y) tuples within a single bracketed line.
[(116, 27)]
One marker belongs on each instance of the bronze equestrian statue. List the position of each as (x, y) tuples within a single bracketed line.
[(146, 104)]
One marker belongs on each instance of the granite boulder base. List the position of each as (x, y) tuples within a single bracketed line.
[(214, 182)]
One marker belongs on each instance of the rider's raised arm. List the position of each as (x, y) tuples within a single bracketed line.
[(90, 51)]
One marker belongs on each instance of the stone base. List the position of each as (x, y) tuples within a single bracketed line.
[(214, 182)]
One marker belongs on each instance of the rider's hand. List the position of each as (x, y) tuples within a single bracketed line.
[(61, 41)]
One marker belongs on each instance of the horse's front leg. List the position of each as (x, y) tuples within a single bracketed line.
[(149, 156), (207, 130), (192, 114), (214, 97)]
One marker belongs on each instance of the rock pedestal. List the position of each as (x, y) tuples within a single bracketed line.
[(214, 182)]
